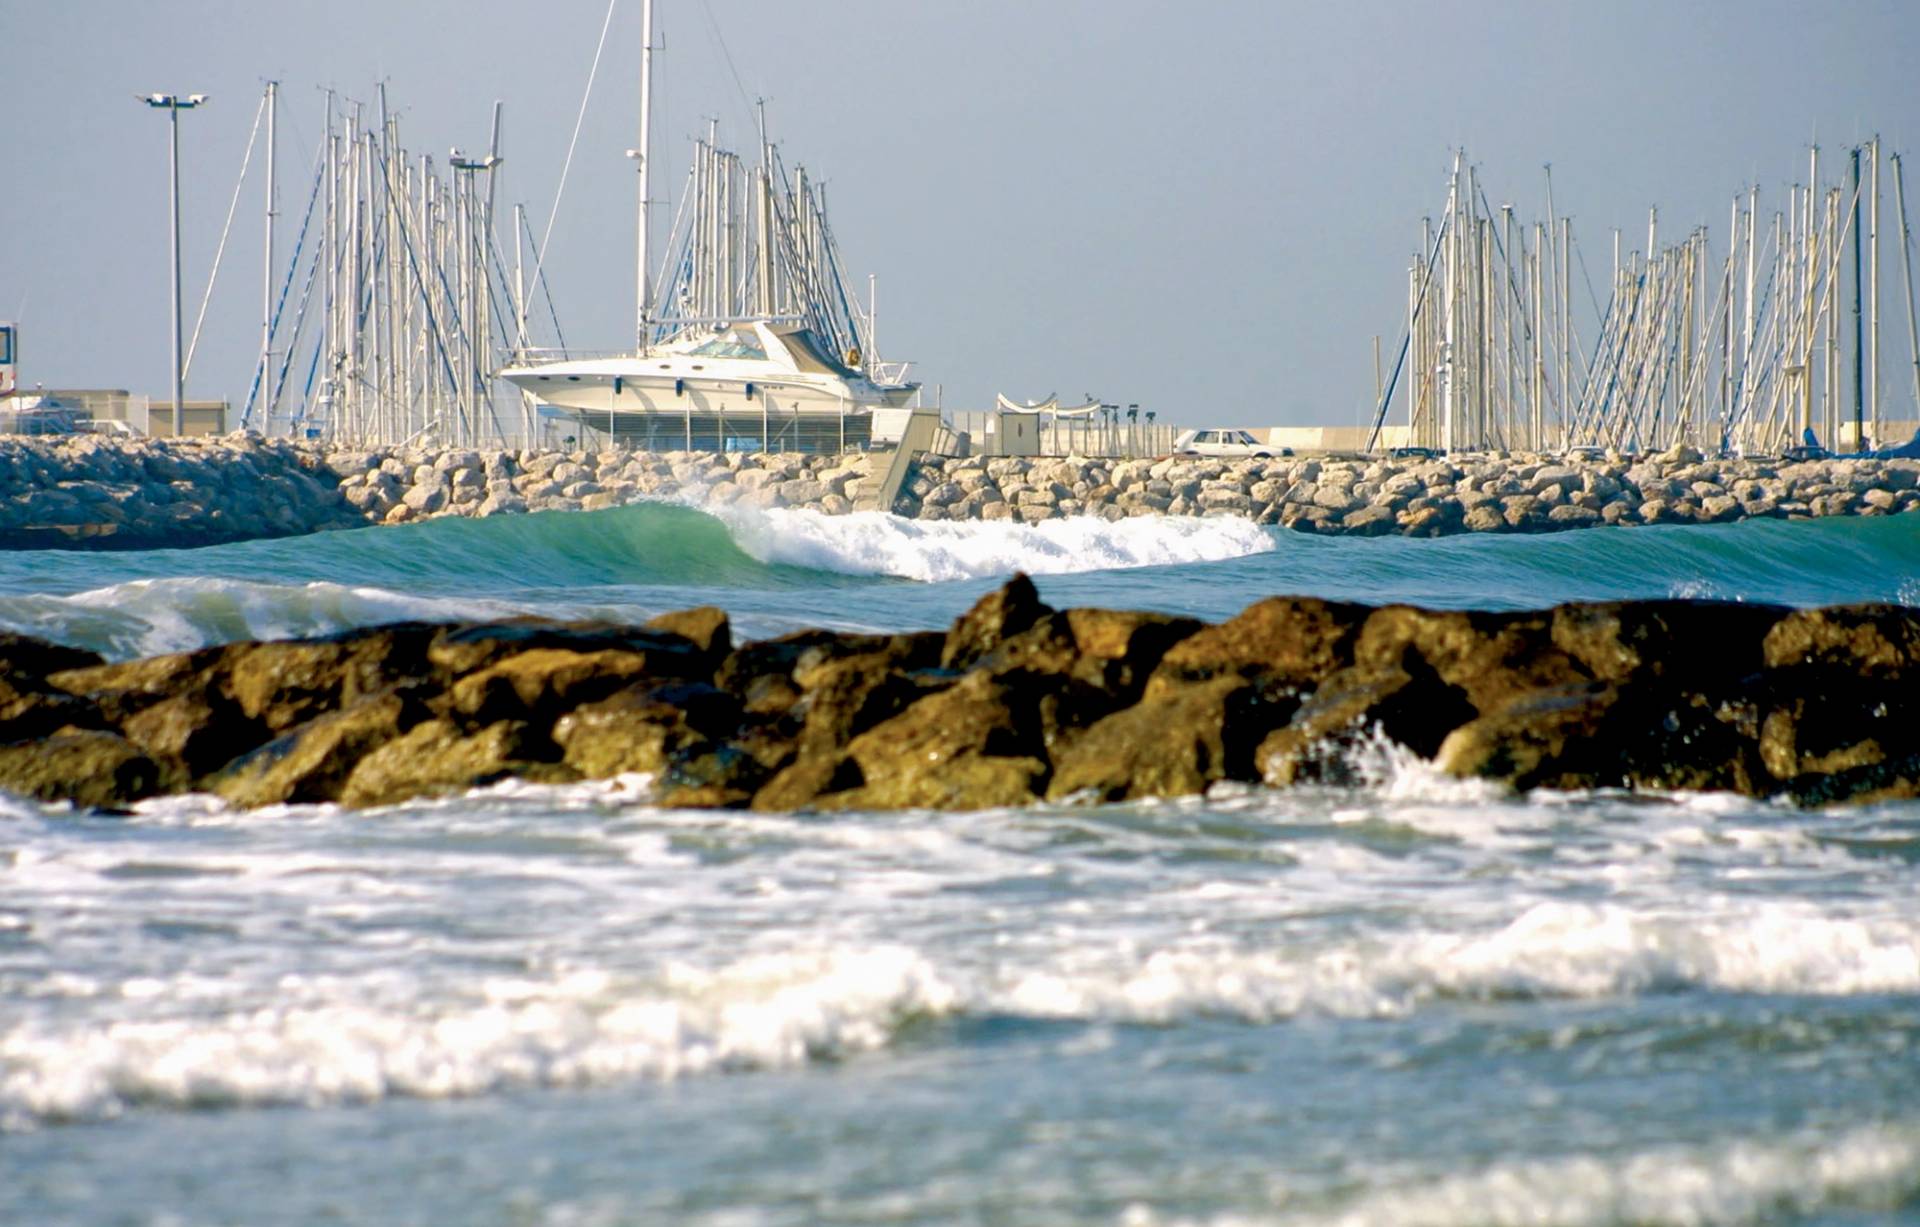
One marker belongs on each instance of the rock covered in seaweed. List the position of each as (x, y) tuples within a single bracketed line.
[(1018, 702)]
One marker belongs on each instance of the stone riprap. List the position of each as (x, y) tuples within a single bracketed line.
[(1017, 703), (396, 486), (1419, 497), (94, 491)]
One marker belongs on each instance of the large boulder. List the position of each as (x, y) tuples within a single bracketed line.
[(314, 761), (91, 768), (1180, 740), (1409, 703), (1486, 656), (1284, 641), (706, 627), (966, 747), (464, 649), (541, 683), (643, 729), (997, 616), (437, 756)]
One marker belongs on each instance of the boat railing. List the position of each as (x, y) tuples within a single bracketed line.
[(532, 355)]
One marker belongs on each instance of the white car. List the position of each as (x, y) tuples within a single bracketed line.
[(1225, 442)]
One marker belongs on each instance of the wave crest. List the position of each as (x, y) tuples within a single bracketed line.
[(581, 1028), (872, 543)]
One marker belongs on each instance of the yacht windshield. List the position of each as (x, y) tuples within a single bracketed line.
[(729, 345)]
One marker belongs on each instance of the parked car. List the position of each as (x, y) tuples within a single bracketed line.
[(1225, 442), (1416, 453), (1805, 451)]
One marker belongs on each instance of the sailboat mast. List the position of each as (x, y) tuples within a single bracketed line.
[(266, 281), (643, 325)]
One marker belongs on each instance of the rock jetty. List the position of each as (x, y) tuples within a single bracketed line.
[(1017, 703), (398, 486), (102, 491), (1500, 493), (116, 493)]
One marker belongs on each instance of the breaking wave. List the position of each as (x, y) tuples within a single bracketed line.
[(587, 1027), (149, 616), (870, 543)]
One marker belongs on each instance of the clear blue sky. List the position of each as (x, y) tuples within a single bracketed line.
[(1207, 208)]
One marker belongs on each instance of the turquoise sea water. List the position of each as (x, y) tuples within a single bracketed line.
[(1414, 1002)]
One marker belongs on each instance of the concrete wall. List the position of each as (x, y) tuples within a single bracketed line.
[(1305, 439)]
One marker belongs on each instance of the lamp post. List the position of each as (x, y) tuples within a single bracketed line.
[(173, 104)]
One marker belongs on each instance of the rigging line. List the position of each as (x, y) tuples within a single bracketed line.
[(540, 284), (306, 294), (1406, 341), (540, 252), (728, 56), (413, 265), (293, 343), (293, 267), (1586, 276), (226, 230)]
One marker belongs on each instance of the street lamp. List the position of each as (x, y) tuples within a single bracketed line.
[(173, 104)]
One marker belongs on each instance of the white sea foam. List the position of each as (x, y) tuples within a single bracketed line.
[(1550, 950), (1874, 1167), (334, 1041), (1699, 588), (149, 616), (871, 543), (181, 1040), (94, 1045)]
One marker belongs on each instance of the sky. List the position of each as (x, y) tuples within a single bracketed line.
[(1206, 209)]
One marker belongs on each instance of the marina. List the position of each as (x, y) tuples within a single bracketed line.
[(1773, 339)]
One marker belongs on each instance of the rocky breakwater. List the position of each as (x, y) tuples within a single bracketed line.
[(104, 491), (1497, 493), (1016, 703), (397, 486)]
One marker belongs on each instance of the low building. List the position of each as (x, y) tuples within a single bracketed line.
[(143, 415)]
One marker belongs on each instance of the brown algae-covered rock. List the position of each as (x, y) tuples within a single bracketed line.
[(1018, 702), (94, 769)]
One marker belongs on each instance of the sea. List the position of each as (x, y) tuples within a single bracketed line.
[(1415, 1002)]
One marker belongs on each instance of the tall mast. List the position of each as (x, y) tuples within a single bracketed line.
[(763, 211), (1906, 261), (643, 326), (266, 285), (1859, 330)]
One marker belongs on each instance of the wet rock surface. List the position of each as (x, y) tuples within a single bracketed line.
[(1018, 702)]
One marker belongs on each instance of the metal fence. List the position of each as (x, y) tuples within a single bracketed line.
[(1104, 436)]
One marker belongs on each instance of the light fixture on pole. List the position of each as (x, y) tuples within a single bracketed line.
[(173, 104)]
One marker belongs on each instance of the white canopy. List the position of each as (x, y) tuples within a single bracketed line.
[(1051, 405)]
